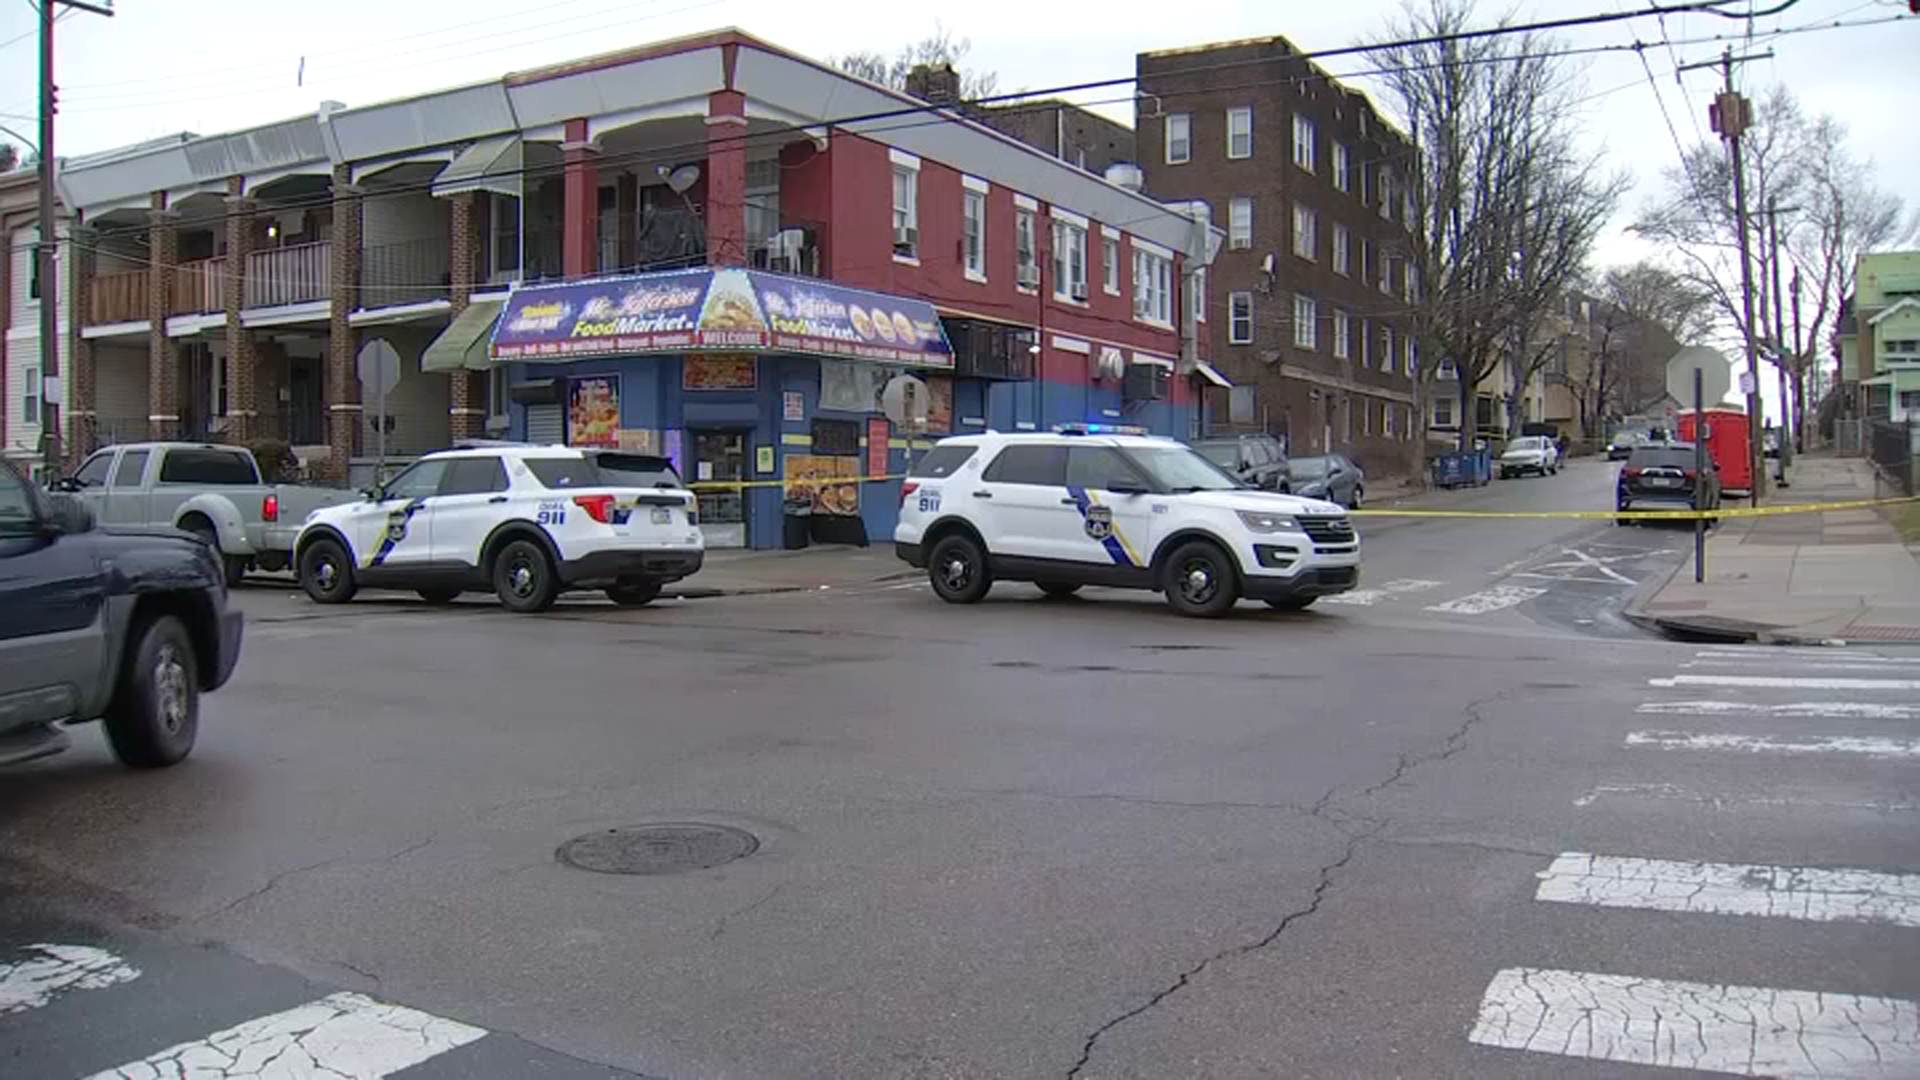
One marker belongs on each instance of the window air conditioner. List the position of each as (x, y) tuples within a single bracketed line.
[(1080, 293), (906, 236), (1029, 276)]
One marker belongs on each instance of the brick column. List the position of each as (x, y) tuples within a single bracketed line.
[(580, 212), (243, 407), (80, 412), (466, 397), (343, 341), (726, 210), (626, 207), (163, 360)]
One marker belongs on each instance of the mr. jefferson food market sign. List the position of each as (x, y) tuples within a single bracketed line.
[(725, 310)]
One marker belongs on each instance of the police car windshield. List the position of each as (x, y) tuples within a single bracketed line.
[(1178, 469)]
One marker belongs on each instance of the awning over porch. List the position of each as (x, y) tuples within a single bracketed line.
[(723, 311), (1207, 372), (487, 165), (463, 344)]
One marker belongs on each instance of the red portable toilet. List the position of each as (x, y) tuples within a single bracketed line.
[(1726, 445)]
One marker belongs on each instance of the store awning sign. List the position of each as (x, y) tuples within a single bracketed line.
[(717, 310)]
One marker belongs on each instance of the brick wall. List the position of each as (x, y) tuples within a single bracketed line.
[(163, 357), (243, 409), (466, 394), (344, 416)]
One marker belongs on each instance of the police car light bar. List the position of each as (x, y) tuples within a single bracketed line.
[(1099, 429)]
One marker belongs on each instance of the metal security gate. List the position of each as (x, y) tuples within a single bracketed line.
[(546, 425)]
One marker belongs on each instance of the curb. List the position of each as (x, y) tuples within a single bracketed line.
[(709, 592)]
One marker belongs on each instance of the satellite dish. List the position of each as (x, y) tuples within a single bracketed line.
[(682, 178)]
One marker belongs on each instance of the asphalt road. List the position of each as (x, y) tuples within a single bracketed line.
[(1029, 838)]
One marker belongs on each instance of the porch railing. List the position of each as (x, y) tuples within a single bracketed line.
[(120, 297), (114, 430), (290, 275), (199, 287), (407, 272)]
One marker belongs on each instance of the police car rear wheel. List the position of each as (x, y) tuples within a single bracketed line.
[(1059, 588), (1200, 580), (634, 593), (326, 574), (523, 578), (958, 570)]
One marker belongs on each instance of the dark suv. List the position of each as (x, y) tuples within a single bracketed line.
[(129, 628), (1661, 476), (1258, 461)]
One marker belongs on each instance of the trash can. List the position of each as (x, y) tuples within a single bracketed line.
[(796, 521)]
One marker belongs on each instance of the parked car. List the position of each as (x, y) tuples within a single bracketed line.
[(1332, 477), (1529, 454), (1260, 461), (525, 522), (1085, 507), (1620, 447), (212, 491), (1660, 476), (125, 627)]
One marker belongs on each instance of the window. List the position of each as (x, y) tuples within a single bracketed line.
[(1387, 419), (1303, 148), (1406, 204), (1197, 294), (941, 462), (133, 466), (1386, 193), (1386, 349), (834, 436), (1366, 343), (94, 472), (1448, 371), (1110, 264), (604, 470), (1025, 257), (1069, 261), (1240, 318), (1342, 179), (417, 482), (1386, 273), (30, 395), (1342, 249), (1412, 355), (1046, 465), (1903, 347), (1152, 287), (1179, 139), (1366, 259), (1306, 232), (1102, 469), (1909, 400), (1240, 133), (974, 207), (906, 211), (1443, 412), (1410, 283), (1240, 223), (1366, 416), (1306, 315), (474, 476), (1342, 333), (210, 467)]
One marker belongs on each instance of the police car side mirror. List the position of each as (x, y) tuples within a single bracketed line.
[(371, 494)]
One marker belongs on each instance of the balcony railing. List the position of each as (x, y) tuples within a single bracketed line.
[(408, 272), (290, 275), (199, 287), (115, 298)]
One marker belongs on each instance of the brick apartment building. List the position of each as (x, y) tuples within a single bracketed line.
[(1079, 136), (1307, 301), (688, 247)]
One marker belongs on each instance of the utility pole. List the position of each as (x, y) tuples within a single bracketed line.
[(1799, 372), (1789, 423), (46, 249)]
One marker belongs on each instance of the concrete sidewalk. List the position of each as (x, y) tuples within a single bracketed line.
[(1820, 577), (735, 572)]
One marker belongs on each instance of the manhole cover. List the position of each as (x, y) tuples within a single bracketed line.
[(658, 849)]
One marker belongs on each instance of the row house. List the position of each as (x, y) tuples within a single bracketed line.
[(1308, 303), (22, 362), (1879, 338), (708, 248)]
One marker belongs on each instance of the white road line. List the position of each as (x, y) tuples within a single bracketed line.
[(339, 1037), (1781, 892), (1769, 744), (1775, 654), (1487, 601), (1385, 590), (1743, 1030), (1797, 710), (1798, 665), (1723, 802), (1785, 682), (30, 984)]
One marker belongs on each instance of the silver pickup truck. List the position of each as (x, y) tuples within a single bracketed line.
[(211, 490)]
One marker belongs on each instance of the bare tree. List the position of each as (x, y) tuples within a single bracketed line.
[(936, 49), (9, 157), (1505, 208), (1642, 314)]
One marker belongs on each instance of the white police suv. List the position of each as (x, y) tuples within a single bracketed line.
[(525, 522), (1098, 505)]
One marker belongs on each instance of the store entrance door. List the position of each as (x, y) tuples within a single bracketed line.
[(721, 456)]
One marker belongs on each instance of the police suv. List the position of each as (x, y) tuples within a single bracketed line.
[(525, 522), (1100, 505)]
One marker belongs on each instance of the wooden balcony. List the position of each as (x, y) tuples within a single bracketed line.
[(117, 298), (290, 275), (199, 287)]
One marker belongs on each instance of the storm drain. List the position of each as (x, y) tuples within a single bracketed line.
[(668, 848)]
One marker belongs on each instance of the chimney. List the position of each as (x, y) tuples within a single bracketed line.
[(935, 85)]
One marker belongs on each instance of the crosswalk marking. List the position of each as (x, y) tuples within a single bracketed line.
[(1795, 710), (1772, 655), (1718, 801), (1744, 1030), (1785, 682), (1769, 744), (1487, 601), (1786, 892), (340, 1037), (30, 984), (1383, 591)]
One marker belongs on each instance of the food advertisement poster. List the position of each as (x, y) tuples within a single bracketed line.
[(879, 433), (793, 406), (719, 372), (697, 310), (593, 411), (940, 403), (812, 476), (850, 387)]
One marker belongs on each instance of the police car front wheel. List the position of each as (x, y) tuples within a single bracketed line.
[(325, 572), (1200, 580), (957, 568)]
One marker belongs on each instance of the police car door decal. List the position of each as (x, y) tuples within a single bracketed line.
[(398, 522), (1098, 522)]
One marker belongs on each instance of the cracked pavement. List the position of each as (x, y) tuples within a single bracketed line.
[(1026, 839)]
